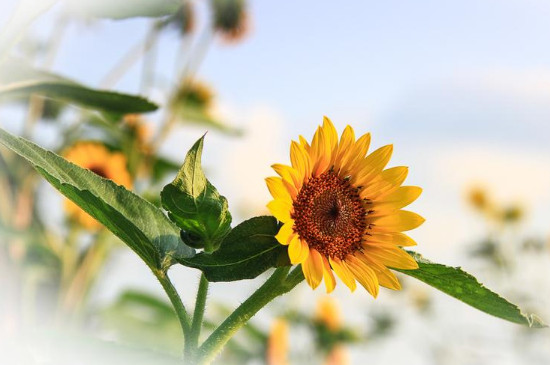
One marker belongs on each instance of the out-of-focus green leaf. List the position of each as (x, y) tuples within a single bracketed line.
[(464, 287), (198, 116), (124, 9), (162, 167), (195, 205), (73, 347), (192, 104), (248, 250), (138, 223), (18, 80), (145, 320)]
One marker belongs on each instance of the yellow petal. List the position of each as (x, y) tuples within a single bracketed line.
[(388, 279), (364, 274), (291, 189), (289, 174), (385, 277), (390, 256), (395, 238), (314, 151), (398, 199), (386, 182), (304, 143), (324, 154), (372, 165), (298, 250), (330, 133), (401, 220), (328, 277), (280, 209), (343, 273), (346, 141), (300, 160), (277, 188), (313, 268), (286, 233), (355, 155)]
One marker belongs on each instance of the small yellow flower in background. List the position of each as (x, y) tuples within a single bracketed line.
[(328, 313), (477, 196), (480, 199), (338, 356), (137, 125), (277, 345), (195, 94), (342, 210), (512, 214), (230, 19), (97, 158)]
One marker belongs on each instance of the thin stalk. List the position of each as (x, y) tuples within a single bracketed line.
[(21, 19), (149, 59), (192, 342), (278, 284), (36, 103), (133, 55), (184, 78), (197, 57), (175, 300)]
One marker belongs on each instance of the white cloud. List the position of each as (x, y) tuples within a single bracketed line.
[(244, 162), (511, 174)]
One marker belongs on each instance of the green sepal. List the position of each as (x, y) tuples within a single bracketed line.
[(195, 205)]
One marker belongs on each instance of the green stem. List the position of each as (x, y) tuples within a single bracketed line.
[(278, 284), (196, 325), (175, 300)]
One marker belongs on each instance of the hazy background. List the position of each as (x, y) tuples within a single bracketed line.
[(462, 89)]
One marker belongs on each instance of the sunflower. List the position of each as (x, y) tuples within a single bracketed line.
[(338, 356), (230, 19), (277, 343), (328, 316), (328, 313), (341, 211), (97, 158)]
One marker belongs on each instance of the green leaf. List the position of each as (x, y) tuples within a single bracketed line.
[(125, 9), (138, 223), (248, 250), (195, 205), (464, 287), (20, 81)]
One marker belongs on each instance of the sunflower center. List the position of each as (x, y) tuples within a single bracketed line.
[(329, 215), (98, 170)]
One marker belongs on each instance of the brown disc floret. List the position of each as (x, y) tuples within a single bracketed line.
[(329, 215)]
